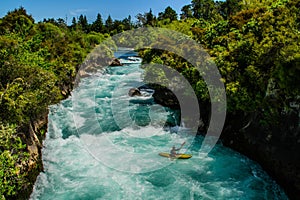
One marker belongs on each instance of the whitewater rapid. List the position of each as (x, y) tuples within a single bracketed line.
[(100, 148)]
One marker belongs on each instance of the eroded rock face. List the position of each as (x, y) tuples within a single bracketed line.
[(276, 148), (134, 92), (166, 98), (32, 136), (163, 96)]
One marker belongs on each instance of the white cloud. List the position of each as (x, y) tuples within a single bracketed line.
[(78, 12)]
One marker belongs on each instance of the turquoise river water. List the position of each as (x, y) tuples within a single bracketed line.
[(100, 148)]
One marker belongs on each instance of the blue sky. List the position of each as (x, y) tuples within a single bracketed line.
[(118, 9)]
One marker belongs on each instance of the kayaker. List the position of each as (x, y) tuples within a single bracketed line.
[(173, 151)]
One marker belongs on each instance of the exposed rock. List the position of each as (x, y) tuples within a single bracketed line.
[(85, 72), (64, 93), (66, 90), (163, 96), (33, 166), (166, 98), (116, 62), (92, 65), (274, 148), (134, 92)]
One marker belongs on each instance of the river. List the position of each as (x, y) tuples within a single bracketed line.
[(100, 148)]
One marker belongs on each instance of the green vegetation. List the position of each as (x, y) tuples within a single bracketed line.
[(255, 45), (256, 49), (12, 176), (38, 64)]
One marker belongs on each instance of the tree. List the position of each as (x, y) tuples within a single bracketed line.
[(203, 9), (83, 23), (118, 26), (12, 177), (16, 21), (58, 22), (109, 24), (169, 13), (146, 19), (97, 26), (61, 22), (141, 20), (186, 12), (228, 8), (74, 23), (150, 18), (127, 23)]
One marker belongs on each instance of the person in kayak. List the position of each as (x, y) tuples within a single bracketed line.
[(173, 151)]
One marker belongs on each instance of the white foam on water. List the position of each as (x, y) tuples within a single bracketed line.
[(89, 156)]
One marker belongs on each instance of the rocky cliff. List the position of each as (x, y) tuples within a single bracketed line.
[(276, 148), (33, 135)]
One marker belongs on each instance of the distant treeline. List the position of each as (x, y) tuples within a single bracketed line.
[(198, 9)]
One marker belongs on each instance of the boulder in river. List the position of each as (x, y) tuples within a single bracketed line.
[(134, 92), (163, 96), (116, 62)]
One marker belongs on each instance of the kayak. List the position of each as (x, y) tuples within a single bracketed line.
[(179, 156)]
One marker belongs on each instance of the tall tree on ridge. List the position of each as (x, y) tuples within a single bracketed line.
[(150, 18), (82, 21), (203, 9), (141, 20), (186, 12), (169, 13), (97, 25), (127, 23), (109, 24), (74, 23)]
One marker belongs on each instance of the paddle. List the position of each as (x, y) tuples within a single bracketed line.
[(182, 144)]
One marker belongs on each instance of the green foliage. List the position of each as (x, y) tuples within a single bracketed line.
[(249, 50), (94, 38), (38, 65), (254, 43), (186, 12), (180, 26), (169, 14), (109, 24), (17, 21), (205, 9), (98, 25), (83, 24), (11, 155)]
